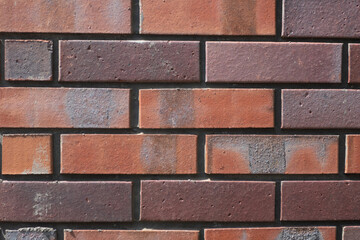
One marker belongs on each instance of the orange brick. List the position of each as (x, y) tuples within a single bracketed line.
[(206, 108), (218, 17), (352, 162), (27, 154), (128, 154)]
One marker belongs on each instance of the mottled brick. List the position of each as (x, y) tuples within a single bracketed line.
[(320, 108), (28, 60), (270, 154), (354, 63), (129, 61), (65, 201), (351, 233), (27, 154), (320, 200), (274, 233), (64, 108), (220, 201), (273, 62), (66, 16), (321, 18), (128, 154), (37, 233), (206, 108), (131, 234), (352, 158)]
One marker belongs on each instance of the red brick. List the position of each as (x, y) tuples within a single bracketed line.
[(37, 233), (206, 108), (212, 17), (320, 200), (65, 201), (128, 154), (207, 201), (131, 234), (274, 233), (28, 60), (66, 16), (270, 154), (273, 62), (354, 63), (64, 108), (352, 159), (320, 108), (27, 154), (129, 61), (351, 233), (321, 18)]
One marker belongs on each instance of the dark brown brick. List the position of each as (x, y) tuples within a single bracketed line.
[(320, 200), (65, 201), (351, 233), (28, 60), (321, 18), (273, 62), (129, 61), (354, 63), (207, 201), (37, 233), (310, 108)]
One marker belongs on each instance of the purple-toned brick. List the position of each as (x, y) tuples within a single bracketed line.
[(354, 63), (351, 233)]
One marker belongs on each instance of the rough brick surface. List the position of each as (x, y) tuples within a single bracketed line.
[(37, 233), (66, 16), (265, 62), (206, 108), (352, 159), (321, 18), (27, 154), (64, 108), (65, 201), (275, 233), (128, 154), (320, 200), (217, 17), (351, 233), (354, 63), (310, 108), (256, 154), (28, 60), (130, 235), (129, 61), (207, 201)]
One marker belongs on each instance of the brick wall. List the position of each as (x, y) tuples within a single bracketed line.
[(180, 119)]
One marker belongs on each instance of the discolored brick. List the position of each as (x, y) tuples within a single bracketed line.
[(352, 159), (219, 201), (321, 18), (64, 108), (351, 233), (27, 154), (320, 108), (63, 202), (206, 108), (270, 154), (66, 16), (274, 233), (320, 200), (128, 154), (28, 60), (354, 63), (208, 17), (131, 234), (129, 61), (273, 62), (37, 233)]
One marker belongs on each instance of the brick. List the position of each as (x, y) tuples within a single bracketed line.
[(322, 18), (352, 158), (273, 233), (131, 234), (37, 233), (28, 60), (351, 233), (206, 108), (354, 63), (77, 16), (210, 17), (128, 154), (320, 200), (63, 202), (27, 154), (270, 154), (209, 201), (64, 108), (257, 62), (129, 61), (313, 108)]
